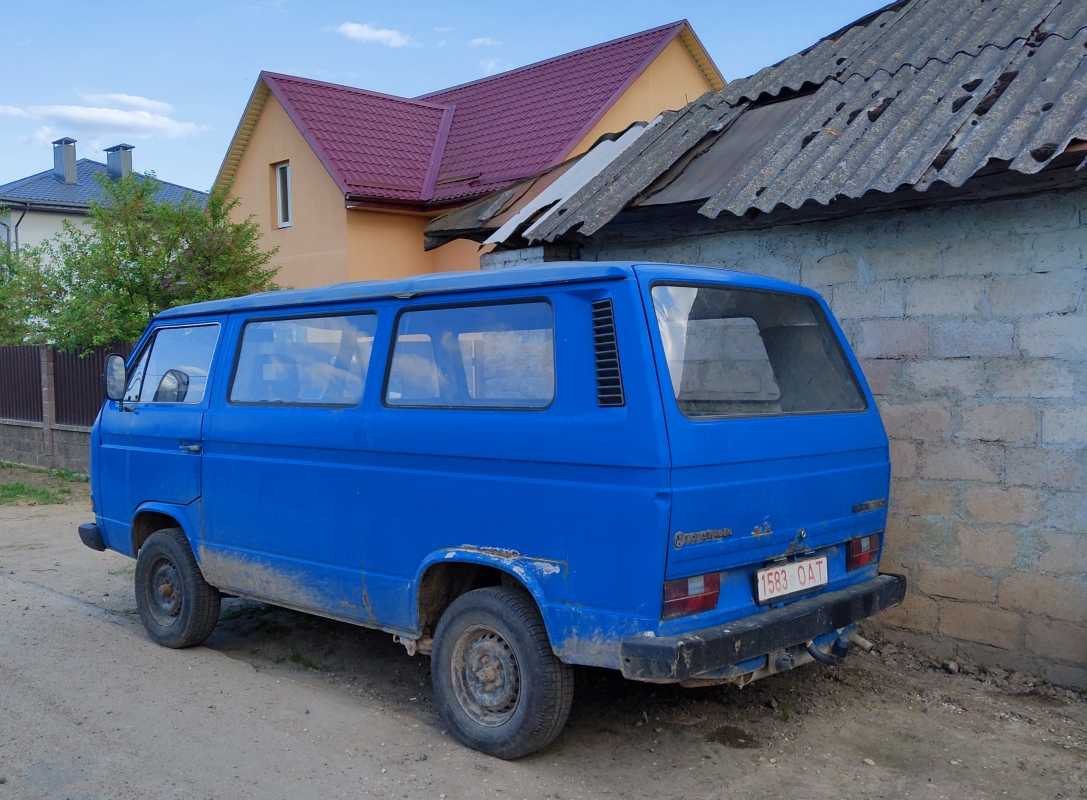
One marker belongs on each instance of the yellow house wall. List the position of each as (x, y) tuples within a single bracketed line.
[(313, 251), (669, 83), (385, 245)]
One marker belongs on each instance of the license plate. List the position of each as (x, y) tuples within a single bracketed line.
[(785, 579)]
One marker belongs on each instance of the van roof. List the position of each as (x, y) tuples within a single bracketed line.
[(555, 272)]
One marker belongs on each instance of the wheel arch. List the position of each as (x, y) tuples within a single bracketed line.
[(449, 573), (151, 517)]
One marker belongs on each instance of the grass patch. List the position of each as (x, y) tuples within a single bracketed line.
[(129, 570), (11, 493), (63, 474), (300, 660)]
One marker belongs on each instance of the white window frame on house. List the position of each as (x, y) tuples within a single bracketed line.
[(283, 187)]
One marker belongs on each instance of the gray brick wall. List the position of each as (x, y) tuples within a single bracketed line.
[(971, 326), (26, 443)]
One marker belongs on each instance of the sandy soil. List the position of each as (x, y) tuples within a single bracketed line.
[(281, 704)]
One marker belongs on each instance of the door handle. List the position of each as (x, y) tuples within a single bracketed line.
[(191, 448)]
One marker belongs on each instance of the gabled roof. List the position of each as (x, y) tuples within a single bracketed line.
[(467, 140), (45, 193), (920, 96)]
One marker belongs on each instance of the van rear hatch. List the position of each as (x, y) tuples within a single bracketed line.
[(778, 452)]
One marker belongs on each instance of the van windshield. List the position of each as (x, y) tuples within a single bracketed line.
[(747, 353)]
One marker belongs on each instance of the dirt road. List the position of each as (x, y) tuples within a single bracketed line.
[(284, 705)]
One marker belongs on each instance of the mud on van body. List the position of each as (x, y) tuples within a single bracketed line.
[(676, 472)]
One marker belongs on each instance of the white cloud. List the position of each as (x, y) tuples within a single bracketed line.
[(116, 121), (484, 41), (129, 101), (491, 66), (368, 33), (12, 111)]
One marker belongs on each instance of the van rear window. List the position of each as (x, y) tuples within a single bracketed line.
[(487, 356), (746, 353), (311, 361)]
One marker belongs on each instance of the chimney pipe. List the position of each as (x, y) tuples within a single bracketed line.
[(64, 169), (119, 160)]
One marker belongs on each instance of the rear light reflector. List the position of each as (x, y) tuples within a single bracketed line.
[(691, 595), (862, 551)]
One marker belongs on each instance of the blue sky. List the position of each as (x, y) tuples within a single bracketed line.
[(173, 78)]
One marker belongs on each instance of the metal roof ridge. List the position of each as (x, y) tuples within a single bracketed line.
[(675, 27)]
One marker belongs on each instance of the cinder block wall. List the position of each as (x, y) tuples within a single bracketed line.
[(971, 325)]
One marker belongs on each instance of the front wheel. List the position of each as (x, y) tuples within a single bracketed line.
[(499, 686), (177, 606)]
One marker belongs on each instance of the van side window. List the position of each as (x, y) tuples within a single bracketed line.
[(173, 368), (486, 356), (311, 361)]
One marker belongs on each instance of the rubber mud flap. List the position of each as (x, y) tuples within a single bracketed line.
[(667, 659)]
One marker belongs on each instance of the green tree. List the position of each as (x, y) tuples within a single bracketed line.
[(102, 282), (18, 269)]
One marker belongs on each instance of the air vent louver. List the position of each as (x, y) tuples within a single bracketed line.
[(609, 378)]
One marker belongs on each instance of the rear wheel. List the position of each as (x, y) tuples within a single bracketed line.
[(500, 687), (177, 606)]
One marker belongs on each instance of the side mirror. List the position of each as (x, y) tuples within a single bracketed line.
[(115, 377), (173, 387)]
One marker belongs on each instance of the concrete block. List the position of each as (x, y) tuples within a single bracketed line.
[(970, 338), (988, 547), (981, 624), (917, 613), (1065, 553), (1054, 469), (917, 500), (1011, 506), (905, 456), (999, 422), (1065, 425), (830, 269), (1065, 675), (954, 377), (946, 461), (927, 421), (902, 533), (1057, 250), (891, 339), (1038, 379), (987, 255), (1068, 511), (945, 297), (921, 258), (957, 583), (881, 374), (1055, 337), (1045, 596), (1062, 641), (873, 301), (1049, 293)]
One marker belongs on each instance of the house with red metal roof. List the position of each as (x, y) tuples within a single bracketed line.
[(345, 180)]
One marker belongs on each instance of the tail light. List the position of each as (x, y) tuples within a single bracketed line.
[(691, 595), (863, 551)]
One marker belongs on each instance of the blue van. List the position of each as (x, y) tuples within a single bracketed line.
[(675, 472)]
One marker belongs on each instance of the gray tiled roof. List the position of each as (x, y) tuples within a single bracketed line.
[(43, 190)]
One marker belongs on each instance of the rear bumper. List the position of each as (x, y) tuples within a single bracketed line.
[(667, 659)]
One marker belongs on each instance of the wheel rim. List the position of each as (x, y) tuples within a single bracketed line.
[(486, 678), (164, 592)]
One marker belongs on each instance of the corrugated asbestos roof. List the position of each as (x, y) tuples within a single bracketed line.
[(468, 140), (45, 191), (919, 93)]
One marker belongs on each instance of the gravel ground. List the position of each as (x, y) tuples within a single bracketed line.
[(282, 704)]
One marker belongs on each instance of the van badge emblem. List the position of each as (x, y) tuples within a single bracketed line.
[(714, 535)]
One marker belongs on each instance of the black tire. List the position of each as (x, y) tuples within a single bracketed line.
[(178, 607), (517, 698)]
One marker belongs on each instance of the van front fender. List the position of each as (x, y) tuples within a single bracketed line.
[(187, 518)]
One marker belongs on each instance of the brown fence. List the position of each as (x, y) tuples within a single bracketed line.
[(21, 383), (79, 390)]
